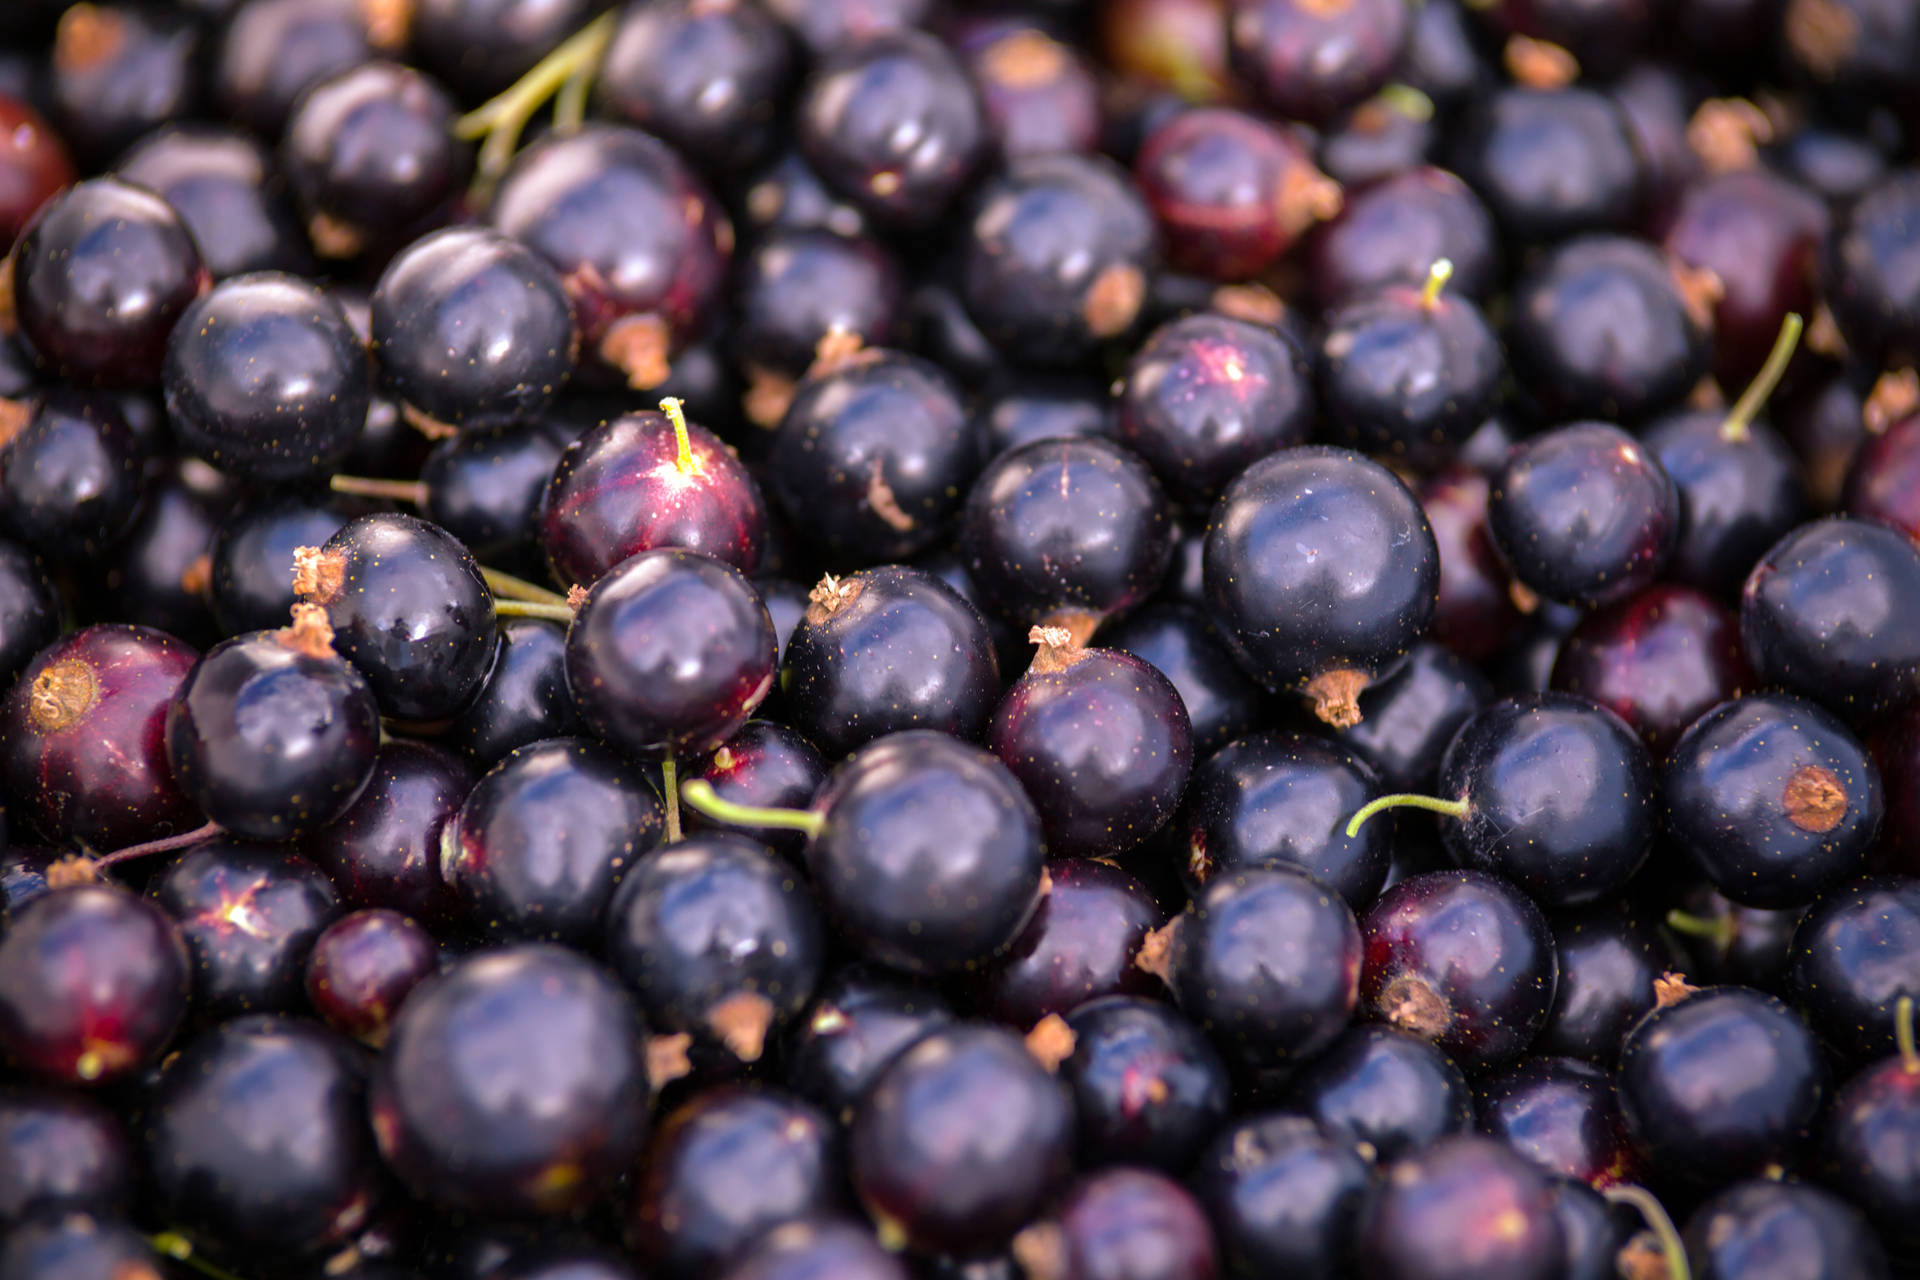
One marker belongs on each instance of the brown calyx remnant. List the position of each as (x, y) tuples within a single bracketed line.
[(197, 578), (1254, 303), (9, 317), (1024, 60), (576, 596), (87, 36), (1336, 696), (1046, 883), (1156, 951), (1824, 33), (637, 346), (1539, 64), (1671, 988), (1814, 799), (1727, 133), (741, 1022), (1524, 597), (1080, 624), (880, 498), (1412, 1005), (1895, 395), (1199, 861), (333, 238), (767, 396), (1041, 1251), (1642, 1258), (1700, 292), (430, 427), (1056, 652), (1324, 8), (14, 415), (1823, 336), (829, 596), (667, 1059), (1306, 196), (839, 348), (61, 694), (1706, 395), (72, 870), (319, 575), (1113, 300), (389, 22), (1051, 1041), (310, 633)]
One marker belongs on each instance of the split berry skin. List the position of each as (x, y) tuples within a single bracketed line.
[(669, 654), (93, 984), (1855, 957), (1080, 945), (384, 851), (1720, 1084), (472, 329), (83, 738), (1149, 1088), (1584, 514), (540, 842), (362, 966), (862, 1020), (1562, 1115), (65, 1153), (958, 1140), (98, 279), (1282, 1194), (70, 477), (1465, 1207), (765, 765), (1832, 612), (409, 608), (258, 1137), (718, 938), (1774, 798), (1462, 959), (1765, 1223), (1333, 621), (265, 379), (1266, 960), (1383, 1092), (513, 1083), (273, 734)]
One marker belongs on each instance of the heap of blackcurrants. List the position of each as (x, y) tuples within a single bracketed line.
[(959, 639)]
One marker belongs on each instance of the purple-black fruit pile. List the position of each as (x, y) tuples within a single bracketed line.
[(959, 639)]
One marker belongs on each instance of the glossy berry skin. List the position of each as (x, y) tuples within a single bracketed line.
[(257, 1137), (249, 914), (723, 1169), (1231, 192), (797, 285), (1308, 61), (817, 1250), (1179, 642), (1283, 1196), (29, 609), (893, 124), (640, 246), (1148, 1087), (1584, 514), (270, 740), (524, 699), (1461, 959), (1321, 571), (222, 184), (1551, 163), (266, 380), (70, 479), (862, 1020), (1738, 496), (930, 858), (1868, 1144), (384, 851), (619, 490), (93, 983), (1267, 961), (275, 50), (766, 764), (1609, 955), (1399, 374), (1285, 798), (1056, 258), (362, 966), (1037, 94), (1393, 232), (1062, 530), (1658, 660), (78, 1245), (1885, 477), (84, 752), (1774, 798), (1783, 1227), (1123, 1224), (1869, 269), (513, 1083), (156, 572), (669, 654), (34, 165), (1408, 719), (99, 277), (717, 937), (1560, 797), (1562, 1115), (1721, 1085), (1205, 395), (62, 1153), (1475, 615), (1464, 1208), (1101, 744), (409, 608), (1854, 955), (1079, 946), (472, 329), (539, 844), (1833, 613), (251, 559), (1383, 1093), (960, 1137), (482, 46), (484, 486), (873, 458)]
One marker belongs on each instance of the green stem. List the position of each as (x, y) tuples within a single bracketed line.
[(670, 784), (1718, 932), (1437, 276), (180, 1249), (412, 491), (533, 609), (699, 793), (1452, 808), (1656, 1215), (1408, 101), (677, 416), (166, 845), (1903, 1034), (508, 587), (1740, 419), (501, 120)]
